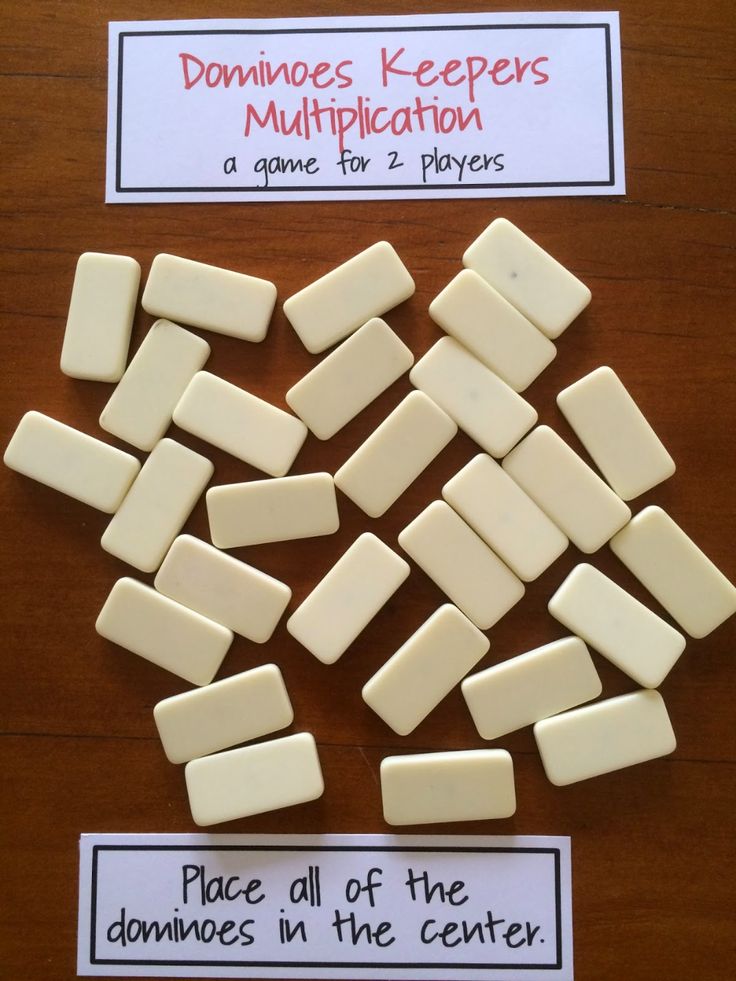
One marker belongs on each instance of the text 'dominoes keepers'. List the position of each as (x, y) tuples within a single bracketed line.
[(482, 105)]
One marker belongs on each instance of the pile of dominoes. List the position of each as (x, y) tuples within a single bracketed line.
[(499, 525)]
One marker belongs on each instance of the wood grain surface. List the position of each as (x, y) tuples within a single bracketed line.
[(653, 845)]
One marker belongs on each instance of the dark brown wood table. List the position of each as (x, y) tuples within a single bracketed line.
[(653, 845)]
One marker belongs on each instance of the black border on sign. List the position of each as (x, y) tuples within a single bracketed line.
[(363, 187), (96, 849)]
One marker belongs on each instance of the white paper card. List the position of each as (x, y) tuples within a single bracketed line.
[(431, 105), (325, 906)]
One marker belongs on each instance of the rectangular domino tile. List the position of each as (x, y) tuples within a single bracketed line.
[(349, 378), (222, 588), (333, 306), (215, 299), (235, 710), (157, 505), (617, 625), (276, 510), (100, 317), (537, 285), (164, 632), (484, 322), (254, 779), (394, 455), (506, 518), (71, 462), (607, 736), (531, 686), (343, 603), (232, 419), (676, 572), (566, 489), (612, 428), (425, 669), (461, 564), (434, 788), (139, 410), (481, 403)]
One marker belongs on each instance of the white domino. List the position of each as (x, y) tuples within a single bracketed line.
[(461, 564), (139, 410), (603, 737), (505, 517), (482, 405), (425, 669), (276, 510), (676, 572), (222, 588), (480, 318), (394, 455), (157, 505), (537, 285), (71, 462), (335, 305), (215, 299), (232, 419), (235, 710), (254, 779), (343, 603), (612, 428), (100, 317), (566, 489), (349, 378), (164, 632), (617, 625), (530, 687), (434, 788)]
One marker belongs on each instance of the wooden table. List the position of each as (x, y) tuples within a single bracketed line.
[(652, 846)]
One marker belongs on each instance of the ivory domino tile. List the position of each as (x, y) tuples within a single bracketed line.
[(617, 625), (461, 564), (482, 405), (566, 489), (276, 510), (433, 788), (71, 462), (254, 779), (349, 378), (603, 737), (235, 710), (240, 423), (425, 669), (140, 408), (335, 305), (100, 318), (505, 517), (157, 505), (535, 283), (612, 428), (394, 455), (530, 687), (343, 603), (675, 571), (164, 632), (220, 587), (478, 317), (220, 300)]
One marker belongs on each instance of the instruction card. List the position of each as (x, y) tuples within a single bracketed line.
[(441, 105), (325, 906)]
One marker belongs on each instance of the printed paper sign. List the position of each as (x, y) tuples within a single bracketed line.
[(338, 907), (455, 105)]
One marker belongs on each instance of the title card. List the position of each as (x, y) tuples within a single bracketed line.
[(325, 906), (442, 105)]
